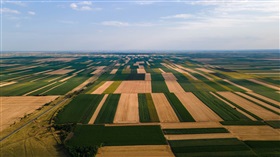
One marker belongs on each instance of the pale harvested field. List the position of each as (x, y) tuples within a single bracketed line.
[(128, 109), (161, 70), (169, 77), (7, 83), (78, 71), (15, 107), (246, 89), (174, 87), (60, 72), (141, 67), (22, 68), (199, 111), (134, 87), (265, 98), (102, 88), (187, 69), (199, 136), (205, 70), (259, 102), (148, 63), (249, 106), (141, 71), (232, 106), (180, 70), (135, 151), (98, 70), (148, 77), (67, 78), (262, 132), (43, 72), (114, 71), (96, 112), (265, 84), (188, 125), (163, 108)]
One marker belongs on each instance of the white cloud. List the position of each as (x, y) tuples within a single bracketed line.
[(115, 23), (126, 24), (9, 11), (83, 6), (31, 13), (178, 16)]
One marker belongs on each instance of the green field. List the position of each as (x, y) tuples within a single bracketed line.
[(92, 135), (79, 110), (108, 110)]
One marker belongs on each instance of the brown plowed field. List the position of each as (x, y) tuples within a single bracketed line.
[(134, 87), (199, 111), (128, 109), (164, 110)]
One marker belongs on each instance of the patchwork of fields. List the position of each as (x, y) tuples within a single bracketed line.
[(153, 105)]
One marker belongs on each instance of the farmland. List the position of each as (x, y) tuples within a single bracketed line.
[(179, 104)]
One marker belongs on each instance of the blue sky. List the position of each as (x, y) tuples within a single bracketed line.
[(53, 25)]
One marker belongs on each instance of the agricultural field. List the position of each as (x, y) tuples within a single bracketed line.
[(179, 104)]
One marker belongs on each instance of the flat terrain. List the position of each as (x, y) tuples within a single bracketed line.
[(15, 107), (141, 104)]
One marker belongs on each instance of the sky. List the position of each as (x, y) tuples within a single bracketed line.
[(56, 25)]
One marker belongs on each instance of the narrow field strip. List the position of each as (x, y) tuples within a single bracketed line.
[(56, 78), (148, 77), (127, 110), (7, 83), (232, 106), (164, 110), (264, 98), (38, 89), (174, 87), (52, 88), (169, 77), (135, 151), (181, 112), (191, 125), (198, 110), (246, 89), (249, 106), (199, 136), (141, 71), (114, 71), (108, 110), (102, 88), (112, 87), (96, 112), (277, 110), (161, 70), (265, 84), (219, 107), (67, 78), (194, 131)]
